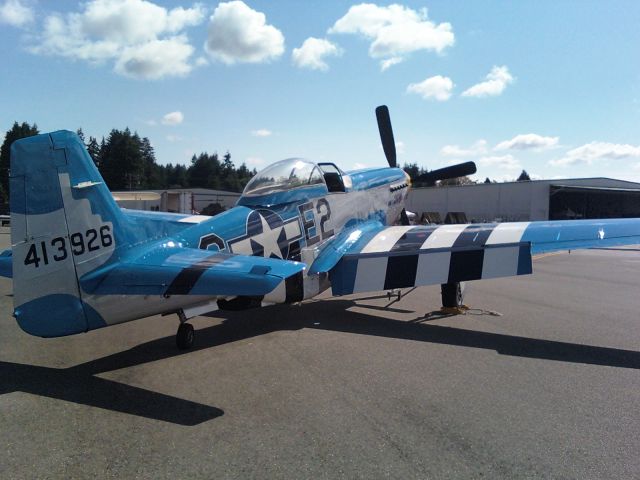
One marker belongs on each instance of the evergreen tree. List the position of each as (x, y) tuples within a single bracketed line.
[(244, 175), (94, 150), (455, 181), (524, 176), (229, 175), (127, 162), (176, 177), (121, 160), (205, 171), (17, 131), (153, 174)]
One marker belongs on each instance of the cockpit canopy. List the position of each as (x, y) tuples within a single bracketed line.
[(283, 176)]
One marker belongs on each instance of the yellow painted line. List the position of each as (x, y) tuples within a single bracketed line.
[(550, 254)]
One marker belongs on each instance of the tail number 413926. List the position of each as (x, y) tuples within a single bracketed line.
[(59, 248)]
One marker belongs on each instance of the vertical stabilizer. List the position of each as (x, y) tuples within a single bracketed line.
[(64, 223)]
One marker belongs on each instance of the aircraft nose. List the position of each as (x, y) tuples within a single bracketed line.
[(408, 177)]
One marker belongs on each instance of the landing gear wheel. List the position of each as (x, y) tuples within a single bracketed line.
[(185, 336), (452, 294)]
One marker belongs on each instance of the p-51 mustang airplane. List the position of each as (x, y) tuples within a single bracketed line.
[(79, 262)]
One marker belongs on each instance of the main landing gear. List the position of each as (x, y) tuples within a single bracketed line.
[(452, 294), (185, 335)]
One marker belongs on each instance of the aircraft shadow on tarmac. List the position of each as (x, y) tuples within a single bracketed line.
[(80, 384)]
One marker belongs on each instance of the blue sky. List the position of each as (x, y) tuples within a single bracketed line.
[(549, 86)]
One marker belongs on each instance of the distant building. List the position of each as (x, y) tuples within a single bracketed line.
[(5, 232), (182, 200), (573, 198)]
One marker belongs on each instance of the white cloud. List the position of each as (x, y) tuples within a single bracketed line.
[(390, 62), (395, 30), (505, 162), (156, 59), (262, 132), (129, 22), (174, 138), (313, 52), (237, 33), (497, 80), (142, 39), (594, 151), (179, 18), (15, 13), (173, 118), (65, 36), (478, 148), (433, 88), (528, 141), (359, 166)]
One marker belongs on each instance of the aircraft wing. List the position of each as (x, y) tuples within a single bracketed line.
[(372, 257), (188, 271)]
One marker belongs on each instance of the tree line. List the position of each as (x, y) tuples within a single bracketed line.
[(127, 161)]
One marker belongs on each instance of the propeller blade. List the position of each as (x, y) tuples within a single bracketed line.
[(386, 134), (454, 171)]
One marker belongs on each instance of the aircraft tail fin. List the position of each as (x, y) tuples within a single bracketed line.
[(64, 223)]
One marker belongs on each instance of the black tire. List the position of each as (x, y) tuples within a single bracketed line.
[(452, 295), (185, 336)]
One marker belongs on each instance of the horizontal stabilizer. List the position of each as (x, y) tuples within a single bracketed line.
[(187, 271), (6, 264)]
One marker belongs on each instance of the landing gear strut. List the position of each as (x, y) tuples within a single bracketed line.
[(185, 335), (452, 294)]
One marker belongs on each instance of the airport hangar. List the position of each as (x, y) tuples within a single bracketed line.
[(564, 199), (176, 200)]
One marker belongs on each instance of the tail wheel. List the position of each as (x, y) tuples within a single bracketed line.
[(185, 336), (452, 294)]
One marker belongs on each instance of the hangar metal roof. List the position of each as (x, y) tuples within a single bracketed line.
[(594, 188)]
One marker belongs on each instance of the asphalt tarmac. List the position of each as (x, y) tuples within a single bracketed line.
[(541, 381)]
